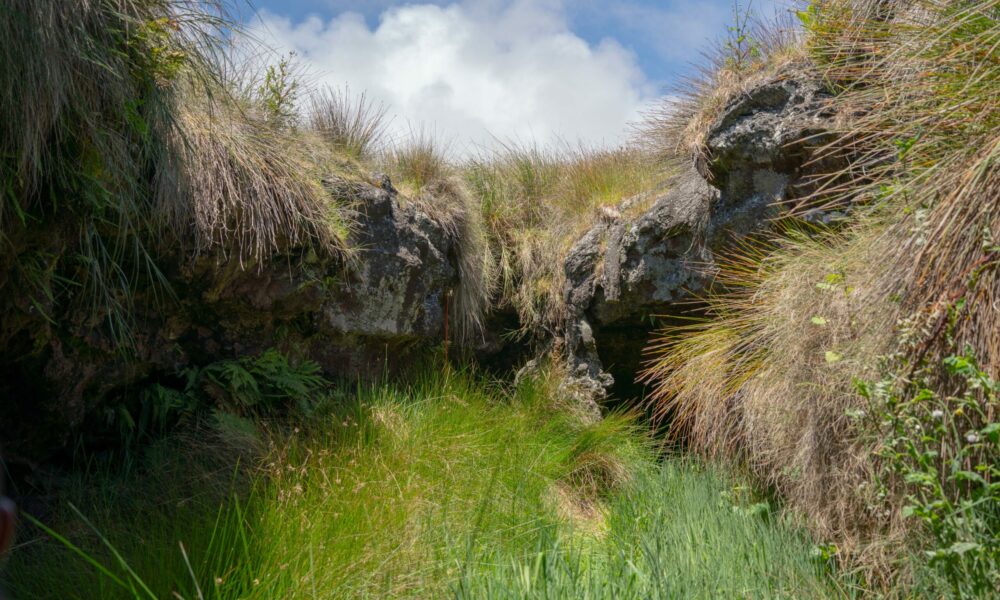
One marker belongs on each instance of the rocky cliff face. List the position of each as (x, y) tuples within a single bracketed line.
[(365, 315), (380, 307), (756, 163)]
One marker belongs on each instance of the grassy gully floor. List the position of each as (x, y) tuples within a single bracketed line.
[(448, 488)]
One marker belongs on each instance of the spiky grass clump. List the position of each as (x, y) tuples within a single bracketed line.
[(355, 126), (428, 178), (454, 207), (935, 153), (223, 159), (419, 160), (768, 380), (805, 316), (123, 140)]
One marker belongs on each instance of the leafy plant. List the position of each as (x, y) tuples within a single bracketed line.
[(809, 16), (157, 54), (741, 48), (244, 387), (279, 91), (941, 454)]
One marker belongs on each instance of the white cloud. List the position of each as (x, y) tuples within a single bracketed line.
[(474, 70)]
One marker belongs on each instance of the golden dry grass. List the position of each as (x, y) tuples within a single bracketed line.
[(769, 380), (675, 130), (354, 125), (246, 188), (537, 203)]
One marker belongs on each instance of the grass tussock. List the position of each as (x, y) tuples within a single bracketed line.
[(772, 380), (754, 49), (130, 134), (355, 126), (769, 379), (418, 161), (87, 106), (448, 487), (224, 157), (429, 179)]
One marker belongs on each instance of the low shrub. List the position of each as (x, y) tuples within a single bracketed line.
[(937, 436)]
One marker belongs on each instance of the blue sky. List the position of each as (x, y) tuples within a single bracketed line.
[(478, 70)]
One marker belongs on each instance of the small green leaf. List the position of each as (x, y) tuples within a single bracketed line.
[(818, 321), (832, 357), (970, 476), (961, 548)]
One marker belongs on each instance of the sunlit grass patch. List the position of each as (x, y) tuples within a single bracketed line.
[(451, 486)]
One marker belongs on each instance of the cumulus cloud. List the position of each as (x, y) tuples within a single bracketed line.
[(474, 71)]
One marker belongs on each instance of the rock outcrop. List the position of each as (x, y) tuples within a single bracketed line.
[(757, 160), (363, 315), (761, 151)]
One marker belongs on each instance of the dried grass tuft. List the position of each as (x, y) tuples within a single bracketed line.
[(769, 380), (355, 126), (455, 208), (675, 130), (246, 188)]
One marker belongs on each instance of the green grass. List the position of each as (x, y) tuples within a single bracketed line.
[(449, 487), (680, 531)]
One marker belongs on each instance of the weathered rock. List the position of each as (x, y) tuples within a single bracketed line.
[(624, 267), (624, 270), (396, 288), (363, 316), (353, 317), (759, 152)]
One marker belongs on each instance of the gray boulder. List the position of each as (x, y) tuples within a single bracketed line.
[(624, 267), (396, 288), (760, 151)]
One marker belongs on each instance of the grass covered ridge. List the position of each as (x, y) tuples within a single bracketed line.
[(449, 487)]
